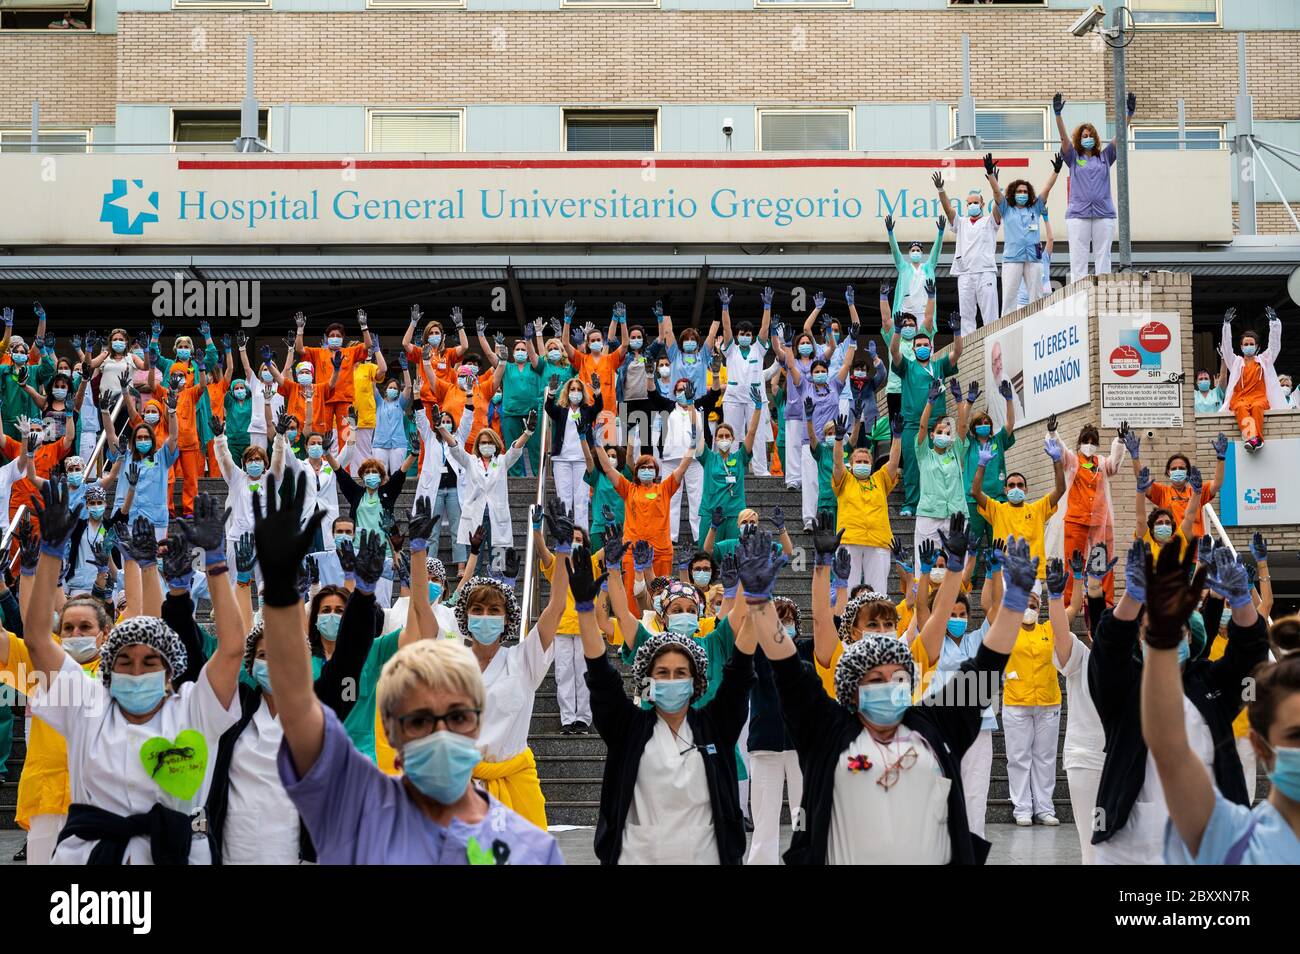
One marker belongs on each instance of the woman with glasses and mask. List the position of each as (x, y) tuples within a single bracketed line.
[(882, 777), (431, 698), (669, 793)]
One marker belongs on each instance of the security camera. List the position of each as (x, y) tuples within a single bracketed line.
[(728, 126), (1088, 20)]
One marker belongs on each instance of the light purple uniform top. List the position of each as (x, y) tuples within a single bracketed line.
[(1090, 184), (357, 815)]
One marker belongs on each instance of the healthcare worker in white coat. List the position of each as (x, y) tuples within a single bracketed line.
[(975, 262), (483, 487)]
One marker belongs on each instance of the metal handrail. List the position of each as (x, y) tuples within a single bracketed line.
[(527, 607), (1212, 520)]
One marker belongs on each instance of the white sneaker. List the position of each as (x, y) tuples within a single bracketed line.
[(1051, 821), (1024, 821)]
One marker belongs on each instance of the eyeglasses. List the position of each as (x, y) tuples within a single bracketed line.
[(422, 722), (892, 773)]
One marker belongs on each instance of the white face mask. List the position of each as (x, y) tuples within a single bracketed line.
[(1087, 450), (1031, 616), (723, 444), (938, 573)]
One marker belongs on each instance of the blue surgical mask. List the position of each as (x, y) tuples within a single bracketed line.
[(957, 627), (702, 578), (95, 510), (915, 257), (942, 441), (1016, 495), (19, 358), (335, 342), (441, 765), (151, 418), (435, 340), (861, 471), (683, 624), (791, 630), (595, 347), (304, 379), (819, 377), (883, 703), (1087, 142), (521, 357), (672, 695), (291, 435), (262, 676), (805, 350), (682, 398), (1247, 350), (254, 468), (327, 624), (487, 629), (81, 648), (646, 475), (1178, 475), (908, 332), (76, 478), (58, 393), (435, 591), (1162, 532), (392, 394), (371, 480), (144, 447), (974, 211), (267, 377), (983, 430), (182, 354), (636, 344), (342, 538), (744, 340), (689, 346), (554, 355), (1286, 771), (922, 352), (316, 451), (138, 694), (1203, 385), (119, 347), (239, 394), (1022, 198)]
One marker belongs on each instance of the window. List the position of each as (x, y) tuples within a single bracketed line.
[(49, 140), (1175, 12), (414, 130), (209, 4), (609, 3), (803, 3), (1015, 127), (819, 130), (1166, 137), (415, 4), (601, 131), (209, 130), (75, 16)]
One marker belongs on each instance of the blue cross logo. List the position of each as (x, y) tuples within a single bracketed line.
[(128, 206)]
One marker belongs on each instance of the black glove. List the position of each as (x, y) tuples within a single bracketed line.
[(826, 540), (369, 566), (347, 556), (245, 554), (207, 529), (510, 564), (144, 545), (583, 583), (56, 518), (29, 546), (177, 564), (282, 539)]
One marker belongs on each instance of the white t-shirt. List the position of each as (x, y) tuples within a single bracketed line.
[(904, 824), (1142, 839), (1085, 740), (916, 300), (670, 821), (261, 822), (10, 474), (105, 768), (511, 680), (976, 245), (571, 446), (257, 415), (677, 439)]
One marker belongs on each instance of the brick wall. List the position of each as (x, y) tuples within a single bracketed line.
[(73, 76), (1270, 219)]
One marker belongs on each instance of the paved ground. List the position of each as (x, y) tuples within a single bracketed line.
[(1011, 845)]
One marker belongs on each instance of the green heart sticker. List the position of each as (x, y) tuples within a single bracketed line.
[(177, 766)]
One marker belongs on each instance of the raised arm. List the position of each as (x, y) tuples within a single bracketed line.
[(937, 179)]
